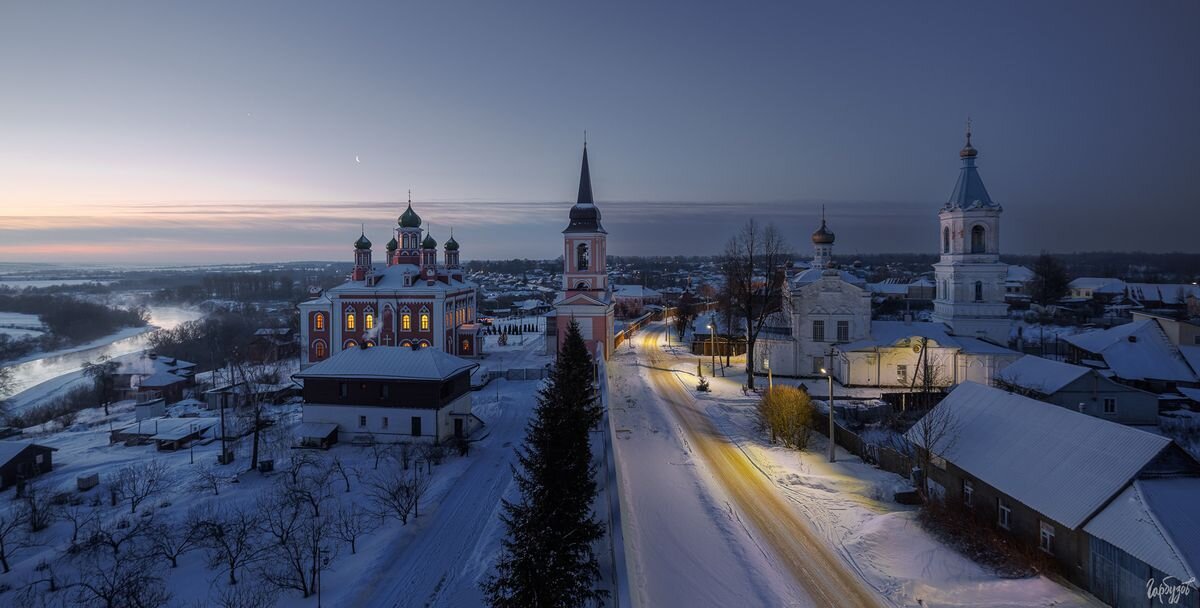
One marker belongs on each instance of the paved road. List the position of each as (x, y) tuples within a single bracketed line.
[(814, 566)]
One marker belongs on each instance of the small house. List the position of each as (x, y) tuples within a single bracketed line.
[(1083, 389), (22, 460)]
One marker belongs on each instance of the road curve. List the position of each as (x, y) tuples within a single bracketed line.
[(815, 567)]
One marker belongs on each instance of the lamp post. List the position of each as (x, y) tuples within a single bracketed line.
[(770, 380), (832, 432), (712, 348)]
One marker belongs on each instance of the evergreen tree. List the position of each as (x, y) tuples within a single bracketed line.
[(1050, 280), (547, 559)]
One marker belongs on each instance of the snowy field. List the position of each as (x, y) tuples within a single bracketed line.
[(849, 503), (436, 559), (20, 325)]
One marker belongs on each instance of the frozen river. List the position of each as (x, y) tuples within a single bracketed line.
[(66, 364)]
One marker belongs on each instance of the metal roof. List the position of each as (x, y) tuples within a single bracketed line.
[(1042, 375), (1156, 521), (1060, 463), (1136, 351), (389, 363)]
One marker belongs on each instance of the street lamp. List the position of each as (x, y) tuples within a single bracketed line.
[(832, 432), (712, 348), (770, 381)]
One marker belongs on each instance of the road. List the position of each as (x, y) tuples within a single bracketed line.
[(781, 530)]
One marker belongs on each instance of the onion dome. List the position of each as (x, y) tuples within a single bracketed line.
[(451, 245), (363, 242), (392, 244), (428, 243), (823, 236), (410, 219)]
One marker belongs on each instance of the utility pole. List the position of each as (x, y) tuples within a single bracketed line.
[(832, 430)]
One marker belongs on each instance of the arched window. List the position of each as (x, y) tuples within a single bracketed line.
[(978, 291), (946, 240), (582, 257), (369, 321), (349, 344), (424, 322), (466, 345), (319, 349), (319, 321), (581, 285), (977, 240), (387, 319), (350, 320), (406, 322)]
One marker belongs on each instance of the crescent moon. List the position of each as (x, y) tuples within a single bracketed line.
[(356, 159)]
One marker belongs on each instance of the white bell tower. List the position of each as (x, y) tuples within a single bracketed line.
[(970, 275)]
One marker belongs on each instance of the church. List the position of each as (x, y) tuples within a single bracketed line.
[(825, 320), (587, 296), (414, 300)]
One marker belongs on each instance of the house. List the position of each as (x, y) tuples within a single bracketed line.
[(389, 394), (168, 434), (1016, 282), (632, 299), (147, 373), (1139, 354), (907, 353), (1041, 472), (165, 384), (1083, 389), (1097, 288), (272, 344), (22, 460)]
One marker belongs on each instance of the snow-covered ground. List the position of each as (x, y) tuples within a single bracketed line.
[(849, 503), (19, 325), (437, 559)]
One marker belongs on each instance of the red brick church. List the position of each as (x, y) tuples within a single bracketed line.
[(412, 300)]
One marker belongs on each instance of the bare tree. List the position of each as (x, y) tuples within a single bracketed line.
[(103, 374), (292, 531), (395, 494), (299, 462), (751, 264), (7, 387), (116, 536), (82, 517), (345, 471), (247, 595), (13, 536), (351, 522), (254, 403), (934, 435), (119, 579), (231, 538), (172, 541), (406, 454), (137, 483), (39, 509), (381, 450), (210, 478)]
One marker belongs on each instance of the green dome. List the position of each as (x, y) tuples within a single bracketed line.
[(410, 219), (392, 244), (451, 245), (363, 242), (429, 243)]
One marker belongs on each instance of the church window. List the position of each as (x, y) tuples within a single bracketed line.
[(977, 240), (319, 322), (319, 350), (946, 240), (369, 321), (424, 322), (466, 346), (978, 291), (581, 285), (818, 331), (350, 321), (406, 322), (582, 257), (843, 331)]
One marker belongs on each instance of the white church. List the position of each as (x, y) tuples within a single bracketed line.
[(825, 322)]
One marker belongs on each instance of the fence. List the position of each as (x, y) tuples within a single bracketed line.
[(882, 457)]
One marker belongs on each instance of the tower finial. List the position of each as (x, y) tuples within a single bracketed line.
[(822, 214), (362, 229), (968, 129), (410, 197), (585, 138)]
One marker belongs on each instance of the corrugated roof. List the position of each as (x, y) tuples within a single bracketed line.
[(1063, 464), (1156, 521), (390, 363), (1136, 351), (1042, 375)]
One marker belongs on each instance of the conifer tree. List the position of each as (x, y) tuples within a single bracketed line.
[(547, 559)]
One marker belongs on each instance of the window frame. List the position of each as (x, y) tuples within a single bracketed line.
[(818, 336), (968, 493), (843, 336), (1046, 537), (1110, 401), (1003, 514)]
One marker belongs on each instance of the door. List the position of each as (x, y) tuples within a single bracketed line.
[(416, 426), (458, 427)]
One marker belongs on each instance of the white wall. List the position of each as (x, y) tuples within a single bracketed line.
[(399, 420)]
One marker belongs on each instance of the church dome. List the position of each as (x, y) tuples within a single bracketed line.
[(823, 236), (968, 151), (363, 242), (410, 219), (428, 243), (392, 244), (451, 245)]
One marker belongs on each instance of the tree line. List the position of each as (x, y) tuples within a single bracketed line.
[(68, 320)]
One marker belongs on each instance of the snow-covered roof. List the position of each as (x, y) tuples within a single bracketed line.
[(161, 379), (1018, 274), (1190, 393), (812, 275), (1098, 284), (890, 333), (391, 279), (1045, 376), (921, 282), (1156, 521), (1136, 351), (316, 429), (1081, 461), (888, 288), (389, 363), (10, 449), (1162, 292), (1191, 354), (635, 291), (175, 429), (146, 364)]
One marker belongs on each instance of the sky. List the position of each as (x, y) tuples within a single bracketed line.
[(268, 131)]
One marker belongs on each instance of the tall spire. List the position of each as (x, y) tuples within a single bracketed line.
[(969, 192), (585, 180)]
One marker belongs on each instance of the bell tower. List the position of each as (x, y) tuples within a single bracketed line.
[(970, 276)]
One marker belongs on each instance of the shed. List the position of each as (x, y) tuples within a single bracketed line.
[(21, 460)]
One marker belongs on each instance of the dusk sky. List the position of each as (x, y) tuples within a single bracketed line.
[(226, 132)]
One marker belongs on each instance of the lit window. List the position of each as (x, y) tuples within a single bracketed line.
[(466, 346), (369, 321), (319, 322), (319, 350), (1004, 514), (350, 322), (424, 322), (406, 322), (1046, 538)]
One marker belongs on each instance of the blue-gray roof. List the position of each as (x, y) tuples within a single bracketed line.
[(969, 192), (389, 363)]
